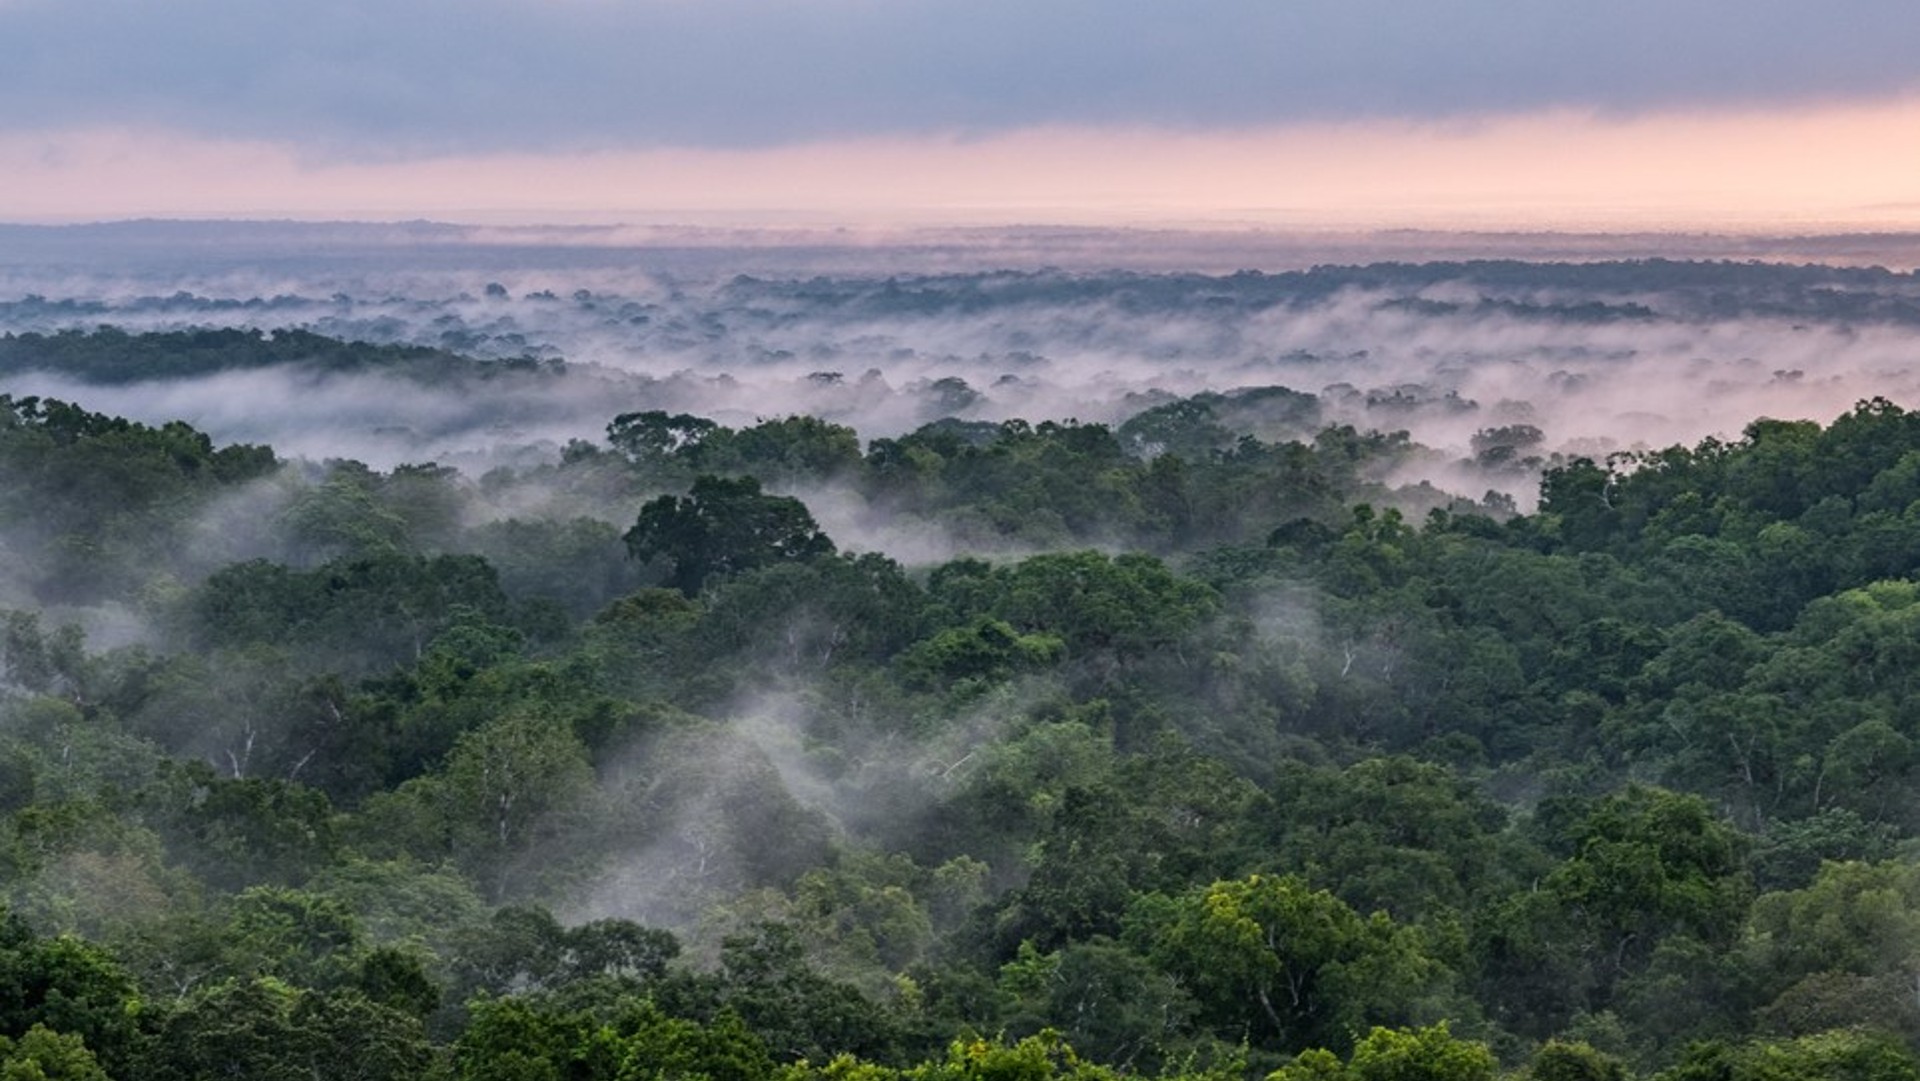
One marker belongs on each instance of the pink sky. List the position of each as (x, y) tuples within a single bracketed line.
[(1848, 166)]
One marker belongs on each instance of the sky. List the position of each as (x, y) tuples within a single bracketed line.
[(1751, 115)]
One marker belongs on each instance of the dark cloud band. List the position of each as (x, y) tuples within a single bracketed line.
[(427, 76)]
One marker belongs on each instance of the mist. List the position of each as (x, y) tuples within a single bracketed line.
[(527, 343), (1600, 357)]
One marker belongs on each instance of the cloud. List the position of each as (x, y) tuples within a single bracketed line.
[(360, 80), (1819, 167)]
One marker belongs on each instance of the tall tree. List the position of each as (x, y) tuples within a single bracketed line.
[(722, 526)]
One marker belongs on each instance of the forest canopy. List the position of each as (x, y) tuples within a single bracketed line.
[(1209, 743)]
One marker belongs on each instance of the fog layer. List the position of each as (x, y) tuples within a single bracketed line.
[(1598, 356)]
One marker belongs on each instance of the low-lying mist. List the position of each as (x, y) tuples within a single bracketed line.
[(502, 358), (1597, 357)]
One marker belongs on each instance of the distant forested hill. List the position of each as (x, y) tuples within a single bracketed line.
[(108, 356)]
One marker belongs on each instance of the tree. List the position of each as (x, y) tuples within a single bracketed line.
[(1406, 837), (42, 1054), (1285, 966), (724, 526), (986, 651), (1645, 868), (1384, 1054), (70, 987), (1506, 446), (1129, 604), (1651, 863), (1109, 1002), (238, 833), (1559, 1060), (1839, 1055), (292, 935), (515, 1039), (792, 447), (655, 436), (796, 1012), (1855, 928), (271, 1031), (504, 781)]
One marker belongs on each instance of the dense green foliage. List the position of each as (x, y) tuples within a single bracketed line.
[(1252, 763), (107, 355)]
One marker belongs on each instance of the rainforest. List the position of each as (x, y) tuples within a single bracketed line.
[(509, 668)]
